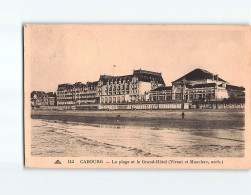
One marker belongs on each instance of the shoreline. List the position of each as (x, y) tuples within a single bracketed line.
[(195, 119)]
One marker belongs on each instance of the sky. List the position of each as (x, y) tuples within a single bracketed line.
[(59, 54)]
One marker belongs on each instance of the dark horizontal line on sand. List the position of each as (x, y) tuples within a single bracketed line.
[(187, 123)]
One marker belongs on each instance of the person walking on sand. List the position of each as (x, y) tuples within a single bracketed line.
[(183, 115), (118, 117)]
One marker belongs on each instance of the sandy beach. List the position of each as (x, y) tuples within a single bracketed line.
[(203, 133), (194, 119)]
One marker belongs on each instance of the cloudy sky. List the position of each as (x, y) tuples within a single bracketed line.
[(70, 53)]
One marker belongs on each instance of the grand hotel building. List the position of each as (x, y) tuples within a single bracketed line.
[(145, 87), (111, 89)]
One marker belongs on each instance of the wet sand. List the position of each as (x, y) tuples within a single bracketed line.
[(194, 119), (58, 139), (203, 133)]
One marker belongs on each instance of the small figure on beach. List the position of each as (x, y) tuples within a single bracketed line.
[(118, 117), (183, 115)]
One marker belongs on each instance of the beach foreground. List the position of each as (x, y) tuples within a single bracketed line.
[(194, 119), (138, 133)]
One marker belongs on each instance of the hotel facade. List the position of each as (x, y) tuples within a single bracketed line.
[(111, 89), (198, 85), (143, 87)]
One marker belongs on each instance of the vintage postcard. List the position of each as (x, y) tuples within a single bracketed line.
[(137, 96)]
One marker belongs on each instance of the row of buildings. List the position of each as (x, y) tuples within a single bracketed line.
[(141, 87), (40, 98)]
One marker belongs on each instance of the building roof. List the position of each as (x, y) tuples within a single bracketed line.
[(147, 76), (78, 85), (163, 88), (92, 83), (235, 88), (65, 86), (140, 71), (198, 74), (106, 78), (51, 94), (201, 85), (142, 75), (38, 93)]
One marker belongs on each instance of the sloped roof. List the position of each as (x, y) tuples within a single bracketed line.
[(235, 88), (106, 78), (142, 75), (51, 94), (163, 88), (201, 85), (92, 83), (147, 76), (198, 74), (38, 93), (65, 86)]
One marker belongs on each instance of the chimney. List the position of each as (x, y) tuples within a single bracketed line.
[(217, 77)]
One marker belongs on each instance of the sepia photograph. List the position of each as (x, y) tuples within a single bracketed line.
[(125, 97), (138, 91)]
